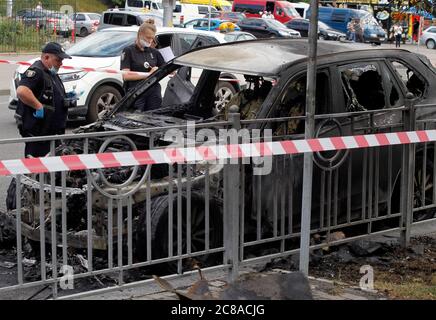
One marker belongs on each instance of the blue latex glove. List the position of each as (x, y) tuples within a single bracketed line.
[(71, 94), (39, 114)]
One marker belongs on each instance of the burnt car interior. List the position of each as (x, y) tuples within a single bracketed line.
[(413, 81), (250, 99), (293, 103), (363, 87)]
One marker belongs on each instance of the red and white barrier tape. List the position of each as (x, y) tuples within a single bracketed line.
[(216, 152), (85, 69), (104, 70)]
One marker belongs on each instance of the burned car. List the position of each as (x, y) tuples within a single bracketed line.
[(352, 81)]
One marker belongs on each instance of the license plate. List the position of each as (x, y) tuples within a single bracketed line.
[(382, 39)]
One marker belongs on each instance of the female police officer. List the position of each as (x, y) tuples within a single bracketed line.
[(142, 57)]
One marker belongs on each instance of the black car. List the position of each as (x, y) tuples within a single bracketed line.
[(267, 28), (324, 31)]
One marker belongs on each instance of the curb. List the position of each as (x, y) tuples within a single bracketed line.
[(5, 92)]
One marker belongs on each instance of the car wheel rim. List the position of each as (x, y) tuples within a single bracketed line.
[(106, 103), (223, 96), (430, 45)]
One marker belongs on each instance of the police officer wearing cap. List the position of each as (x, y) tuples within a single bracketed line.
[(142, 57), (42, 108)]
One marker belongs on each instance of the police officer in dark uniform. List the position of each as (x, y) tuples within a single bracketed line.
[(42, 108), (143, 57)]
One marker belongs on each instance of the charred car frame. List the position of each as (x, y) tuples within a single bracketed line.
[(352, 81)]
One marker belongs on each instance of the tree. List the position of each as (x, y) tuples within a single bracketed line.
[(112, 3)]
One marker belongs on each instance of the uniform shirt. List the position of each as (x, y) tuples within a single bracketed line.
[(141, 61), (33, 78)]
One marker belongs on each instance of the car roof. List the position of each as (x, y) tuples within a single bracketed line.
[(263, 57), (217, 35), (135, 13)]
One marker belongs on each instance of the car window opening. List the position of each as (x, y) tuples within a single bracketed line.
[(250, 99), (413, 81), (363, 88), (293, 103)]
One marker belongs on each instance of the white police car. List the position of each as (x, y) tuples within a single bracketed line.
[(99, 91)]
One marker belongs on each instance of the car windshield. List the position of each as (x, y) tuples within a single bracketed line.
[(94, 16), (290, 11), (230, 37), (103, 44), (322, 25), (275, 24), (369, 20)]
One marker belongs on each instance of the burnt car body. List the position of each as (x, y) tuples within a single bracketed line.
[(349, 78)]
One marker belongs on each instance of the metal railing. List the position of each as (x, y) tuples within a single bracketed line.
[(24, 27), (169, 219)]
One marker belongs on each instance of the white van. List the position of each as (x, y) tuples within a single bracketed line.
[(144, 5), (184, 12), (301, 8)]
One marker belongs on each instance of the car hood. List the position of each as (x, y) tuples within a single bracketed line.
[(81, 62)]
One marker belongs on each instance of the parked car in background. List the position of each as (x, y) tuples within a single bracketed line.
[(144, 5), (102, 49), (209, 24), (267, 28), (234, 17), (221, 5), (48, 20), (85, 22), (429, 37), (113, 18), (301, 8), (184, 12), (338, 18), (324, 31), (282, 11)]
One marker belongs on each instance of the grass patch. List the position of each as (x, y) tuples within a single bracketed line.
[(412, 290)]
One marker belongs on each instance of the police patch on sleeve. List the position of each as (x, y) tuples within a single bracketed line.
[(30, 73)]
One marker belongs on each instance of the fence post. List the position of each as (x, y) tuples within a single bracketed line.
[(408, 172), (231, 205)]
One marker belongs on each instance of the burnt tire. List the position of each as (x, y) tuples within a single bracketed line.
[(11, 198), (104, 98), (159, 231), (224, 91)]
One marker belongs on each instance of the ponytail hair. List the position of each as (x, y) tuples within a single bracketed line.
[(147, 25)]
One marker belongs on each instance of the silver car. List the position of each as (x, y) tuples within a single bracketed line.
[(429, 37), (85, 22)]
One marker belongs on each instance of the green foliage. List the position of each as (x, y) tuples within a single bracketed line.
[(14, 36)]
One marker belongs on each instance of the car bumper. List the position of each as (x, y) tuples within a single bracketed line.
[(377, 39)]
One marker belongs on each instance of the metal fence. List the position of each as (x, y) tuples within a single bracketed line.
[(119, 226), (26, 27)]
